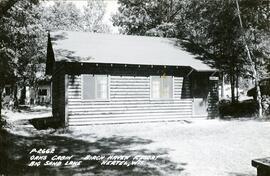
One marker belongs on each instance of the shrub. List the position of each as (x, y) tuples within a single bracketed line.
[(247, 108)]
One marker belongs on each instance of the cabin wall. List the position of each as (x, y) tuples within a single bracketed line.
[(129, 102), (58, 96), (205, 95)]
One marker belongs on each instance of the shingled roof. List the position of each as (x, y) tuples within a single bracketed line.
[(121, 49)]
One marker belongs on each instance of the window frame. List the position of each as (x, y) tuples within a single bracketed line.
[(171, 98), (97, 99)]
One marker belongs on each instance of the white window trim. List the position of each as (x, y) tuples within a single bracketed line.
[(108, 93), (153, 99)]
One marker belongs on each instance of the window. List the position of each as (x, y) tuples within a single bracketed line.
[(95, 87), (42, 92), (161, 87)]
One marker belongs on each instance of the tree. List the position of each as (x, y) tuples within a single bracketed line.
[(151, 17), (5, 70), (211, 29), (61, 15), (23, 37), (215, 32), (23, 41), (207, 27), (92, 17), (5, 5), (256, 28), (64, 15)]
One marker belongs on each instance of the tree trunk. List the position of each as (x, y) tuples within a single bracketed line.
[(23, 95), (15, 97), (1, 94), (232, 81), (222, 86), (254, 71), (259, 98), (237, 87)]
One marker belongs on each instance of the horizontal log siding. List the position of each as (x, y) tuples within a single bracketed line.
[(129, 102), (178, 82)]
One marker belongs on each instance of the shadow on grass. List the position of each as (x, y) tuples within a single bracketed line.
[(15, 155), (45, 123), (33, 109), (240, 174)]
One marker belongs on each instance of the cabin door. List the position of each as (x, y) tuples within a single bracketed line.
[(199, 93)]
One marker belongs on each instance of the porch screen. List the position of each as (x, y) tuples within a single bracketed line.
[(161, 87), (95, 87)]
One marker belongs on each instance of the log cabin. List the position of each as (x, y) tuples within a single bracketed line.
[(111, 78)]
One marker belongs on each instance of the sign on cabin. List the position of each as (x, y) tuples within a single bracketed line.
[(213, 78)]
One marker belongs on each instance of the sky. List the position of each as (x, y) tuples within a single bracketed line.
[(111, 8)]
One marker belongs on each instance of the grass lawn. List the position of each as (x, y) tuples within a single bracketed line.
[(195, 147)]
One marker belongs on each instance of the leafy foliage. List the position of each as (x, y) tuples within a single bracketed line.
[(152, 17), (92, 16), (61, 15), (21, 31), (23, 36), (64, 15)]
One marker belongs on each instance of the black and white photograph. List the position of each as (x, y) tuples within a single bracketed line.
[(134, 88)]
